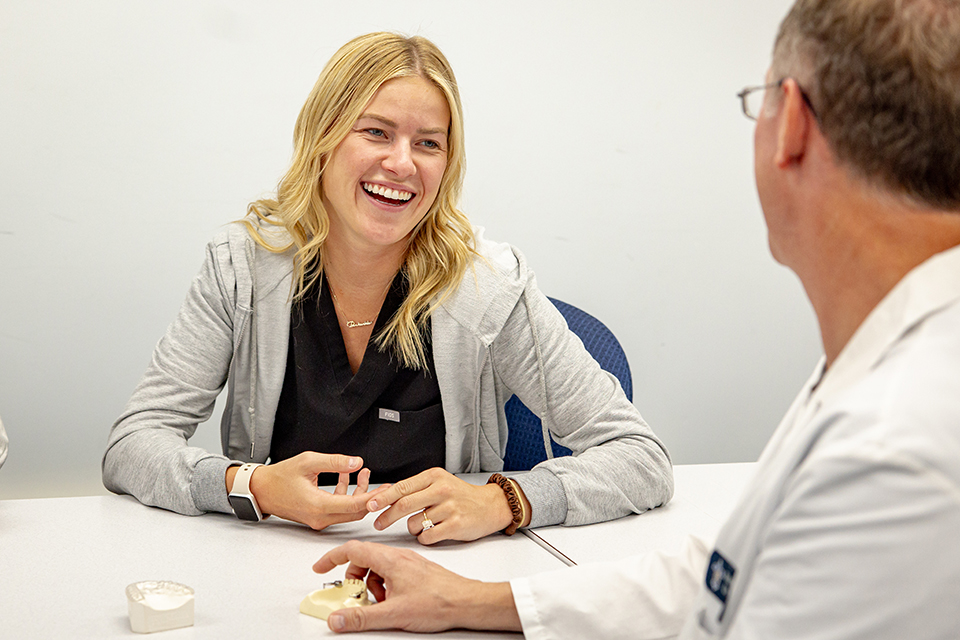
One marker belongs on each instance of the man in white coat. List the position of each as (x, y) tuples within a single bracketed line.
[(850, 527)]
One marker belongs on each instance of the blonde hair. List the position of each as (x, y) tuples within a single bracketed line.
[(441, 245)]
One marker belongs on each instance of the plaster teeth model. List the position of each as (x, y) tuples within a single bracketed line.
[(159, 605), (342, 594)]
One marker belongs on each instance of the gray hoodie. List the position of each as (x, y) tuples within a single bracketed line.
[(495, 336)]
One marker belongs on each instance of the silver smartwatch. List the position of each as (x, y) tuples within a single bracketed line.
[(241, 498)]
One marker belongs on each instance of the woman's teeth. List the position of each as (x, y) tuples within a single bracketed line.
[(390, 194)]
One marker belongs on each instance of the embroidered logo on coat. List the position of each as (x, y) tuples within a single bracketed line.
[(719, 576)]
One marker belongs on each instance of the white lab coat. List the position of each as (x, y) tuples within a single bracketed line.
[(849, 528)]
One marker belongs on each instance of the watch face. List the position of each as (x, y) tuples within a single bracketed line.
[(244, 508)]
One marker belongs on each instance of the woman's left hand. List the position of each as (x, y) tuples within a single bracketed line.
[(457, 509)]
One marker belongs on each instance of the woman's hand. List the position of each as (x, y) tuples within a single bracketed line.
[(457, 509), (288, 489), (415, 594)]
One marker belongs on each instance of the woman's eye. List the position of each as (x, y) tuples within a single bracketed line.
[(431, 144), (375, 132)]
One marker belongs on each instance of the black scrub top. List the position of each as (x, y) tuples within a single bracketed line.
[(388, 414)]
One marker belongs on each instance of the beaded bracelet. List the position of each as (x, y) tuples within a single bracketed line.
[(513, 500)]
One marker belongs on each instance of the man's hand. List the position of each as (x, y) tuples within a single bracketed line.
[(458, 510), (289, 490), (415, 594)]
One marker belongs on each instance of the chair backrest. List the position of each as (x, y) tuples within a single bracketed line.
[(525, 446)]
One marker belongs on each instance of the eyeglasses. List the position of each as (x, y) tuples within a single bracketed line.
[(751, 99)]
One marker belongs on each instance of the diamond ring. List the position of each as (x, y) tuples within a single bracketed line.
[(427, 522)]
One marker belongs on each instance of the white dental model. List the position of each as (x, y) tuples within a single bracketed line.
[(158, 606), (342, 594)]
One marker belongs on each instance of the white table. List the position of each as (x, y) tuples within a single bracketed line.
[(65, 562), (704, 495)]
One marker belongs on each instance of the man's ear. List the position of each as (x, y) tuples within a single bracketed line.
[(794, 125)]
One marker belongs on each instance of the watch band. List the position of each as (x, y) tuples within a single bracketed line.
[(241, 498)]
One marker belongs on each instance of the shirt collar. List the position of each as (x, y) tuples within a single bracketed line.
[(925, 290)]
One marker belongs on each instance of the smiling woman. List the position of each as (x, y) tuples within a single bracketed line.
[(382, 179), (362, 325)]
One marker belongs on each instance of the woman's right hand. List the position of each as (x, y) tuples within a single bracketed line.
[(288, 489)]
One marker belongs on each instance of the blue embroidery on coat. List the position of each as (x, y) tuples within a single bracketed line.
[(719, 576)]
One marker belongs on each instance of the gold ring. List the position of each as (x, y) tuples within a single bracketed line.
[(427, 522)]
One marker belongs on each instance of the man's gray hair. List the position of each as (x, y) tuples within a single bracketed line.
[(884, 78)]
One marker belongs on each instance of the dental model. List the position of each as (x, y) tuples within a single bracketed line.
[(159, 605), (340, 595)]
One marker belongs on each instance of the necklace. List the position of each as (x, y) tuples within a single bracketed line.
[(351, 324)]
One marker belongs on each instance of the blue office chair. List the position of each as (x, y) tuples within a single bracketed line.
[(525, 443)]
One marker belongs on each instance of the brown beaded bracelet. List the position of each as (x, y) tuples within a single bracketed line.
[(513, 500)]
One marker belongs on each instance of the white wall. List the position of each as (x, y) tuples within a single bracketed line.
[(604, 139)]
